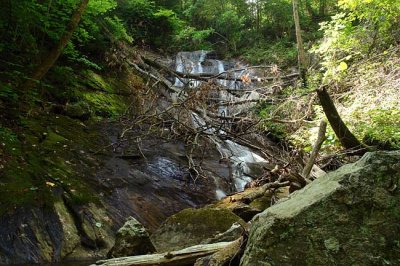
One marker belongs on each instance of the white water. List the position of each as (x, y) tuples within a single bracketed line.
[(240, 157), (189, 63)]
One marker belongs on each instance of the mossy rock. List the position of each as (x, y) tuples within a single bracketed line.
[(104, 104), (131, 239), (49, 149), (192, 227), (79, 110)]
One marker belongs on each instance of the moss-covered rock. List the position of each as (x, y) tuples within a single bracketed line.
[(79, 110), (131, 239), (348, 217), (192, 227)]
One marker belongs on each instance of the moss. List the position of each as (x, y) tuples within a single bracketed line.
[(79, 110), (9, 143), (105, 105), (41, 153), (50, 156), (98, 82)]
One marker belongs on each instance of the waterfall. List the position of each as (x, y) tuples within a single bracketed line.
[(241, 158), (189, 63)]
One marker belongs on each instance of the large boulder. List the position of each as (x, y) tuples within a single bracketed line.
[(131, 239), (348, 217), (196, 226)]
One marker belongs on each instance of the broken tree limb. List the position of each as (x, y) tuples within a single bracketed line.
[(262, 190), (175, 258), (346, 138), (317, 146)]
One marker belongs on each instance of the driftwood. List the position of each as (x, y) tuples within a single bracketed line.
[(175, 258), (317, 146)]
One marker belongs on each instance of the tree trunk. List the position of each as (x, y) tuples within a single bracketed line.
[(322, 7), (346, 138), (55, 53), (300, 47)]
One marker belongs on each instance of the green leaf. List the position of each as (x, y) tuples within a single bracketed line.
[(343, 66)]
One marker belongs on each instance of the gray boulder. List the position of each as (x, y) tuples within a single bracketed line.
[(347, 217), (131, 239)]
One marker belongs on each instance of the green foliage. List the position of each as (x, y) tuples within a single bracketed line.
[(116, 26), (361, 28), (166, 25), (230, 25), (9, 142), (383, 130), (191, 39), (278, 19), (148, 23), (8, 93), (283, 53)]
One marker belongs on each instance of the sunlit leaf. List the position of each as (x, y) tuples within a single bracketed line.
[(343, 66)]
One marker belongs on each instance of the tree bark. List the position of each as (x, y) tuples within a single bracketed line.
[(346, 138), (300, 47), (55, 53)]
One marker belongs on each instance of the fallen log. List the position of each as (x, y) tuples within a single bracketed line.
[(175, 258)]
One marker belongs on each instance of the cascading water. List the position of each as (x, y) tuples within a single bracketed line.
[(189, 63), (240, 157)]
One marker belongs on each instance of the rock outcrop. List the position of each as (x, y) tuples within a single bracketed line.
[(131, 239), (348, 217), (191, 227)]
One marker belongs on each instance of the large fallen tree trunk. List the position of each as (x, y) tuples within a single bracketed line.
[(175, 258)]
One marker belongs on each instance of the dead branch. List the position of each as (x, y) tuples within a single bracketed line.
[(185, 256), (263, 189), (317, 146)]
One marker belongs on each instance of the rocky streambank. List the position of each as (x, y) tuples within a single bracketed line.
[(346, 217)]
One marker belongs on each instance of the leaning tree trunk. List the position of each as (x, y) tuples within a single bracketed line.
[(299, 39), (55, 53), (346, 138)]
